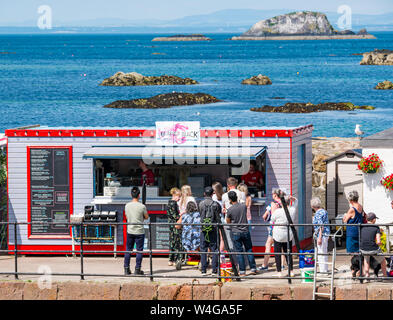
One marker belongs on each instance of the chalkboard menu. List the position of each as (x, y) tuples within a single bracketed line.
[(49, 190), (160, 233)]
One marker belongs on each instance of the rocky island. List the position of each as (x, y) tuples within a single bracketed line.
[(259, 80), (166, 100), (293, 107), (183, 37), (303, 25), (378, 57), (137, 79), (385, 85)]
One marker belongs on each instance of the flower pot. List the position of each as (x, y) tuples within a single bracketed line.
[(372, 171)]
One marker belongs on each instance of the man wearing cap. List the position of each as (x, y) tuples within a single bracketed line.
[(370, 239)]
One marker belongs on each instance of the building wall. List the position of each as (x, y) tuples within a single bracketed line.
[(296, 142), (375, 197), (350, 175), (278, 173)]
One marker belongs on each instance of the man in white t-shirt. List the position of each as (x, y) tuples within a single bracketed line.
[(232, 186)]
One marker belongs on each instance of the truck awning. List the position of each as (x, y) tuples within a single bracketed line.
[(178, 153)]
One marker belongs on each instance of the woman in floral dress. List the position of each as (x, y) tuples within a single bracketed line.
[(191, 235)]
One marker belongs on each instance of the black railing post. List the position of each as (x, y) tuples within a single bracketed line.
[(150, 253), (360, 256), (81, 249), (288, 254), (16, 250), (219, 252)]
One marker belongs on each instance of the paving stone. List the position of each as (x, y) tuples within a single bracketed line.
[(138, 291), (88, 291), (379, 293), (168, 292), (32, 291), (11, 290)]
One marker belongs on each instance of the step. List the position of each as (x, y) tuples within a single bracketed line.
[(322, 293)]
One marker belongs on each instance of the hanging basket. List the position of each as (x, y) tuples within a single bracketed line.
[(387, 182), (370, 164)]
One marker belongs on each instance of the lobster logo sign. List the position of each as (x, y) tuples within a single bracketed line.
[(170, 133)]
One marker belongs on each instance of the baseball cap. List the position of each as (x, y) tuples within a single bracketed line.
[(371, 216)]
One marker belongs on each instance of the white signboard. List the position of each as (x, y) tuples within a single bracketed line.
[(172, 133)]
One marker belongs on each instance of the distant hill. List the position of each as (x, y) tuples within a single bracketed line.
[(231, 20)]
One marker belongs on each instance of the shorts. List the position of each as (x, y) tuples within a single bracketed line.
[(374, 254), (270, 231)]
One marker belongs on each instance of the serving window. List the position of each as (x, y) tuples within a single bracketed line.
[(125, 171)]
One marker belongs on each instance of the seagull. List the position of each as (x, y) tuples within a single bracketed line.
[(198, 113), (358, 131)]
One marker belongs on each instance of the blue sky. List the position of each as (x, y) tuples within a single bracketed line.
[(71, 10)]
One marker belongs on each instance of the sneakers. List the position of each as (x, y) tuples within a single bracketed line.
[(253, 272), (242, 273), (204, 273), (262, 268), (170, 263), (127, 271), (138, 271)]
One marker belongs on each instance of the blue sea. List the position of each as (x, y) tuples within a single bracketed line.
[(54, 80)]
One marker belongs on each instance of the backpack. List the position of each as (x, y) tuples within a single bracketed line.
[(209, 218)]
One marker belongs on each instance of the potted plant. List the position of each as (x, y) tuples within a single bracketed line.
[(370, 164), (387, 182)]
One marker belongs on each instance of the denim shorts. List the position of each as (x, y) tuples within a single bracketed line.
[(270, 231)]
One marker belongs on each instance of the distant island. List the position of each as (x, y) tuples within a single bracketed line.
[(302, 25), (183, 37)]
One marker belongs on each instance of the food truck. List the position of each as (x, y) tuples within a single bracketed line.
[(57, 175)]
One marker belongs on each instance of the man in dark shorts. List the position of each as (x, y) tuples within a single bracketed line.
[(370, 239)]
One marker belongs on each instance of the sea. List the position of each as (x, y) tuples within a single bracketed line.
[(53, 80)]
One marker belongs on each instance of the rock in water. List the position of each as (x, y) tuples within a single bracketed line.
[(137, 79), (378, 57), (302, 25), (295, 23), (385, 85), (293, 107), (166, 100), (258, 80)]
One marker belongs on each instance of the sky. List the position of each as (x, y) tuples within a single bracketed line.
[(72, 10)]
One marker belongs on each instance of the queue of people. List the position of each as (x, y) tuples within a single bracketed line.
[(232, 209)]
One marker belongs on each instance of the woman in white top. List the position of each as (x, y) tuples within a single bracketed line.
[(186, 197), (280, 233)]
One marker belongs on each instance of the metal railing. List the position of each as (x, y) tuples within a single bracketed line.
[(150, 251)]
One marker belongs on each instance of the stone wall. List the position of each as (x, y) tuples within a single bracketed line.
[(73, 290), (322, 149)]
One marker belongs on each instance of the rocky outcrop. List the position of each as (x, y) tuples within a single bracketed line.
[(293, 107), (183, 37), (322, 149), (260, 80), (295, 23), (137, 79), (164, 101), (385, 85), (302, 25), (378, 57)]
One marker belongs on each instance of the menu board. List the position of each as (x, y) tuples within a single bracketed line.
[(49, 190), (160, 233)]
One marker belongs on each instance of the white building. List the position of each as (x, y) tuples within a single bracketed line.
[(376, 198)]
